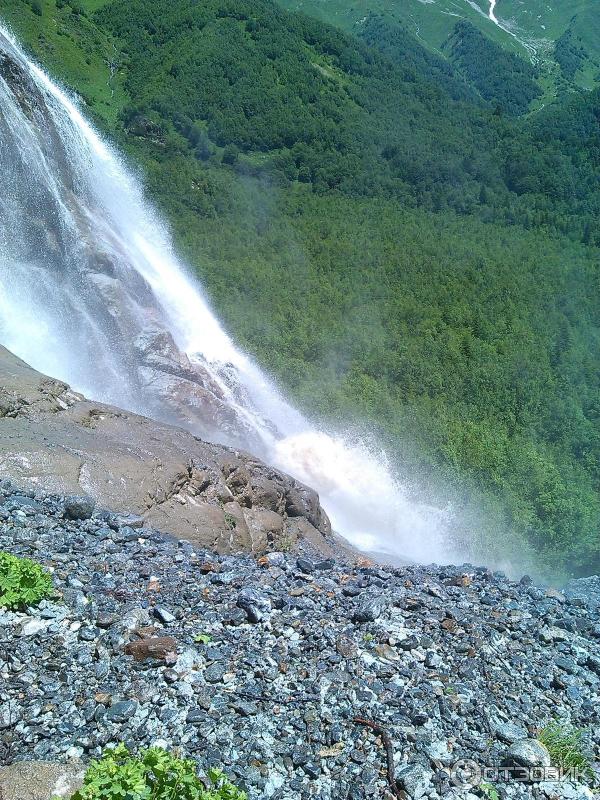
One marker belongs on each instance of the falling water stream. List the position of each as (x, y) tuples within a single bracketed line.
[(89, 276), (528, 44), (492, 12)]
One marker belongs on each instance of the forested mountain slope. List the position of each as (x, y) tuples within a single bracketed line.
[(561, 39), (393, 247), (501, 78)]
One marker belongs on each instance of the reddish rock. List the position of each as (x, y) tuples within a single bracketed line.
[(460, 580), (159, 647)]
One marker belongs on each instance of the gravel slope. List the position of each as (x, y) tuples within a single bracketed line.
[(453, 663)]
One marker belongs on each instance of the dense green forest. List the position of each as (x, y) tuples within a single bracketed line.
[(570, 54), (502, 78), (380, 32), (307, 103), (396, 241)]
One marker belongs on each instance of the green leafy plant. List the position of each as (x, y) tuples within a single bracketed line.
[(22, 582), (230, 520), (567, 748), (154, 774), (489, 790), (203, 638), (285, 543)]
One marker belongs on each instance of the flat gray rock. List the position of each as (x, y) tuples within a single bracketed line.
[(40, 780), (529, 753)]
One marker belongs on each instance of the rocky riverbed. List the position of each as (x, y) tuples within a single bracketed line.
[(263, 664)]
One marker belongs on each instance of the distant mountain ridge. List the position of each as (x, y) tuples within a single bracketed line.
[(563, 40)]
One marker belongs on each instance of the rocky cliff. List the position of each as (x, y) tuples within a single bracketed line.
[(224, 499)]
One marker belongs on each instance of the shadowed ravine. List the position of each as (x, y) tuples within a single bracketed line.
[(92, 293)]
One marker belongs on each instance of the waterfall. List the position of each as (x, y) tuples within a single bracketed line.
[(92, 292), (492, 12), (528, 44)]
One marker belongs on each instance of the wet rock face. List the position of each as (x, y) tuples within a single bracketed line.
[(15, 78), (26, 200), (184, 392), (223, 499)]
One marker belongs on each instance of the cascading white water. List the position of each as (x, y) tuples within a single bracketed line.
[(528, 44), (88, 277)]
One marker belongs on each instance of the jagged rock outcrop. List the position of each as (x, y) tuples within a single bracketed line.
[(224, 499)]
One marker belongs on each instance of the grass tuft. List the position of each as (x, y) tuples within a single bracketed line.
[(567, 748)]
